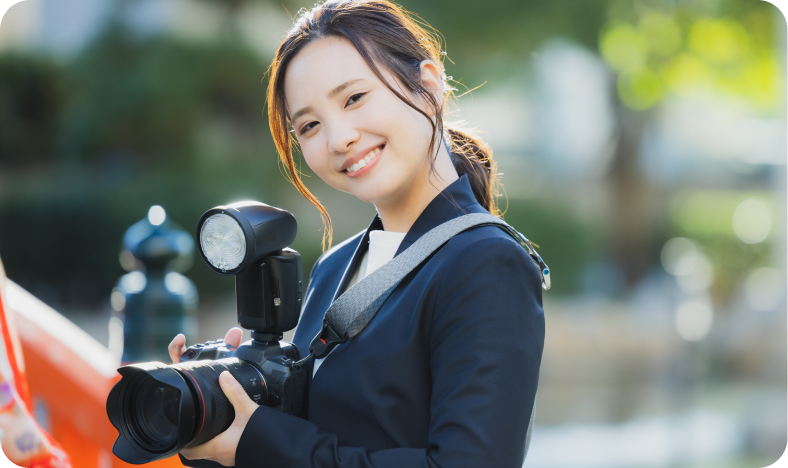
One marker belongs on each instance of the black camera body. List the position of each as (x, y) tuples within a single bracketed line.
[(160, 409), (278, 385)]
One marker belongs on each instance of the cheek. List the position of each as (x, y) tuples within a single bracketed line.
[(393, 119), (313, 156), (318, 160)]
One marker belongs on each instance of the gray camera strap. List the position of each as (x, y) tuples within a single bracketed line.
[(357, 306)]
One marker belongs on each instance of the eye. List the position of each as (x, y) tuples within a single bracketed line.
[(307, 127), (354, 99)]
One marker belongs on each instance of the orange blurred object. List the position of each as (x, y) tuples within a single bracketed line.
[(69, 375), (24, 442)]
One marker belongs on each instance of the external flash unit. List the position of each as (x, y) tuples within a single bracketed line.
[(249, 240)]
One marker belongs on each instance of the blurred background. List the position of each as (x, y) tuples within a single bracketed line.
[(643, 147)]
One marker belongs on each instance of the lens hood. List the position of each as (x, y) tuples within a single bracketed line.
[(145, 432)]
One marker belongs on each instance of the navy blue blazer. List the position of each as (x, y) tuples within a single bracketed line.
[(445, 375)]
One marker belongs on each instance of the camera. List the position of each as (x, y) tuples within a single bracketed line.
[(160, 409)]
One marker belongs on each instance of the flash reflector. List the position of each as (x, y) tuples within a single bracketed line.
[(235, 238), (223, 242)]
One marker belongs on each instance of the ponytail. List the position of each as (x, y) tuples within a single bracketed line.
[(473, 157)]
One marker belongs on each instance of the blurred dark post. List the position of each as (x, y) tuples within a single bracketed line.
[(153, 302)]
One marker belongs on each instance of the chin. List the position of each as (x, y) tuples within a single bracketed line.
[(374, 189)]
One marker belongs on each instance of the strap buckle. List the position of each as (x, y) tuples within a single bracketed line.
[(544, 270), (325, 341)]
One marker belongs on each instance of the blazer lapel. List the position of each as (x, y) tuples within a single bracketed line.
[(361, 247)]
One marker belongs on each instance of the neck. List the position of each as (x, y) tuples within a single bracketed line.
[(399, 215)]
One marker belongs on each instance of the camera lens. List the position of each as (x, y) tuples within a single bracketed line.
[(160, 407), (158, 410), (154, 410), (212, 403)]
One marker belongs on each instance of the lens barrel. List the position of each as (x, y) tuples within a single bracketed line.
[(160, 409)]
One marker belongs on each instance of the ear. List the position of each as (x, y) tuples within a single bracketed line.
[(432, 79)]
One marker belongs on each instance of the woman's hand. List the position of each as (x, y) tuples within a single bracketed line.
[(221, 448), (178, 346)]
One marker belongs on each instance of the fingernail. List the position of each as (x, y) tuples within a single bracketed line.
[(226, 376)]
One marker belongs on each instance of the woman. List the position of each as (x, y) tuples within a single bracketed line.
[(446, 373)]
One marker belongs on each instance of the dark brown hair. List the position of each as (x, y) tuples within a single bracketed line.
[(391, 38)]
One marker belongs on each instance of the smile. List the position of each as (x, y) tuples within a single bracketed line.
[(364, 165)]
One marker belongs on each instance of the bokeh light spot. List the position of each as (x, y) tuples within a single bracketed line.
[(760, 81), (700, 275), (156, 215), (117, 299), (678, 255), (752, 221), (764, 288), (661, 32), (176, 283), (624, 48), (693, 318), (718, 41), (641, 89), (687, 73), (127, 261)]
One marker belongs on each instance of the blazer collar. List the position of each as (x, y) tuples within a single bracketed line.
[(455, 200)]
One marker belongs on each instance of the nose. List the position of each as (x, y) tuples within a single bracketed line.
[(341, 137)]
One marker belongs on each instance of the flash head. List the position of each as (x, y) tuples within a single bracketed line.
[(236, 236)]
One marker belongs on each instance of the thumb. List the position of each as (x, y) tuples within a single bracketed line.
[(235, 393)]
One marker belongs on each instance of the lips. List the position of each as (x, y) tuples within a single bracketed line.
[(361, 160), (369, 162)]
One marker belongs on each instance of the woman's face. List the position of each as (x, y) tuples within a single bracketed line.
[(354, 133)]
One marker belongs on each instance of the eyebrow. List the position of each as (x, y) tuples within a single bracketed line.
[(331, 94)]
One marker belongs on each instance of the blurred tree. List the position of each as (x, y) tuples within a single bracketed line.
[(658, 52), (130, 122), (492, 40), (148, 98), (32, 97)]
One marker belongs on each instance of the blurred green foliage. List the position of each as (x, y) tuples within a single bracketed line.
[(662, 51), (705, 217), (128, 124)]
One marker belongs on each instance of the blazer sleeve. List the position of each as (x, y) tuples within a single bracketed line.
[(487, 338)]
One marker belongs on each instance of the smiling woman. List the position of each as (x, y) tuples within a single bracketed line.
[(377, 66), (446, 373), (360, 137)]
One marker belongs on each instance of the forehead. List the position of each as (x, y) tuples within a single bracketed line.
[(320, 67)]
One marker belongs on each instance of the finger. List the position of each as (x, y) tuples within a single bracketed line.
[(233, 337), (236, 393), (177, 347), (200, 452)]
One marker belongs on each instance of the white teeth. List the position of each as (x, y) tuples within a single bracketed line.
[(365, 161)]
